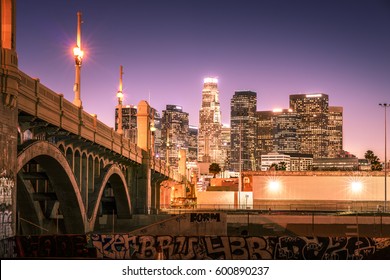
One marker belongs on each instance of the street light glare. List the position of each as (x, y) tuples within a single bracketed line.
[(274, 185), (119, 95), (78, 52), (357, 186)]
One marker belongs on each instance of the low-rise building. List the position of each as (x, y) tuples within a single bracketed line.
[(330, 164), (300, 162), (271, 159)]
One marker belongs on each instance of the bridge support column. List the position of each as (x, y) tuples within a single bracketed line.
[(144, 180), (9, 86)]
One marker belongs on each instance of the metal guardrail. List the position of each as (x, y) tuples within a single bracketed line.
[(344, 208)]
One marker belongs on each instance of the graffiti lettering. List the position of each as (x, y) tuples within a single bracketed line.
[(64, 246), (204, 217), (242, 248), (6, 224), (6, 187), (8, 248), (124, 246)]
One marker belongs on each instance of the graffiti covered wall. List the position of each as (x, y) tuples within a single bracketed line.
[(124, 246), (7, 186), (237, 248), (54, 246)]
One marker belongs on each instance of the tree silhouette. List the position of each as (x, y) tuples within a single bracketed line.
[(373, 160), (282, 166), (214, 169)]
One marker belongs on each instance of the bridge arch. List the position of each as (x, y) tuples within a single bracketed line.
[(59, 173), (111, 175), (62, 148), (69, 156)]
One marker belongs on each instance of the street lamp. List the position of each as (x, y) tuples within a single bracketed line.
[(120, 99), (152, 132), (78, 57), (385, 105)]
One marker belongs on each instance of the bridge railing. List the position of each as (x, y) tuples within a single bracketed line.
[(43, 103)]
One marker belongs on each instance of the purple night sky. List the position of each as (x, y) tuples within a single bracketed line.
[(276, 48)]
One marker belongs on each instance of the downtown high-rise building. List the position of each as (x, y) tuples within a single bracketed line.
[(225, 145), (174, 133), (335, 131), (209, 133), (192, 154), (243, 131), (285, 123), (265, 135), (276, 132), (156, 123), (129, 122), (310, 127), (129, 125), (313, 132)]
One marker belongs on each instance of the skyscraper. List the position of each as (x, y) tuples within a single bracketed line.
[(313, 110), (285, 131), (335, 128), (174, 133), (209, 134), (192, 154), (157, 133), (225, 146), (243, 130), (265, 136), (129, 122)]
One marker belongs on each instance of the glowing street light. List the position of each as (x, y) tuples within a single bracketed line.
[(78, 57), (119, 95), (385, 105), (274, 185), (356, 186)]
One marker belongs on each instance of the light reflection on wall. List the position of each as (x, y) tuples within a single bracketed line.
[(352, 186), (356, 187), (274, 187)]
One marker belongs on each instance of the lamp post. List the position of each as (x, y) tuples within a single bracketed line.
[(240, 168), (78, 57), (120, 99), (385, 105)]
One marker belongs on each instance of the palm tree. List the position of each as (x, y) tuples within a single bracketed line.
[(214, 169)]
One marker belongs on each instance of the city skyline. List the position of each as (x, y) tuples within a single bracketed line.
[(275, 49)]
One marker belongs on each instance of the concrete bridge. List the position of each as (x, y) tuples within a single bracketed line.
[(61, 169)]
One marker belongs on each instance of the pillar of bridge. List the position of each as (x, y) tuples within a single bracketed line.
[(143, 198), (9, 86)]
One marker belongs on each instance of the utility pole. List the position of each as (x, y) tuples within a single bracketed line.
[(385, 105)]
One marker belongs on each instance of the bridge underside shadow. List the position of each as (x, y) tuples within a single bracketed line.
[(49, 199)]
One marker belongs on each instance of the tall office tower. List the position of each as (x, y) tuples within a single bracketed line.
[(313, 110), (174, 133), (285, 128), (192, 154), (209, 134), (129, 122), (225, 146), (157, 133), (265, 137), (335, 128), (243, 130)]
